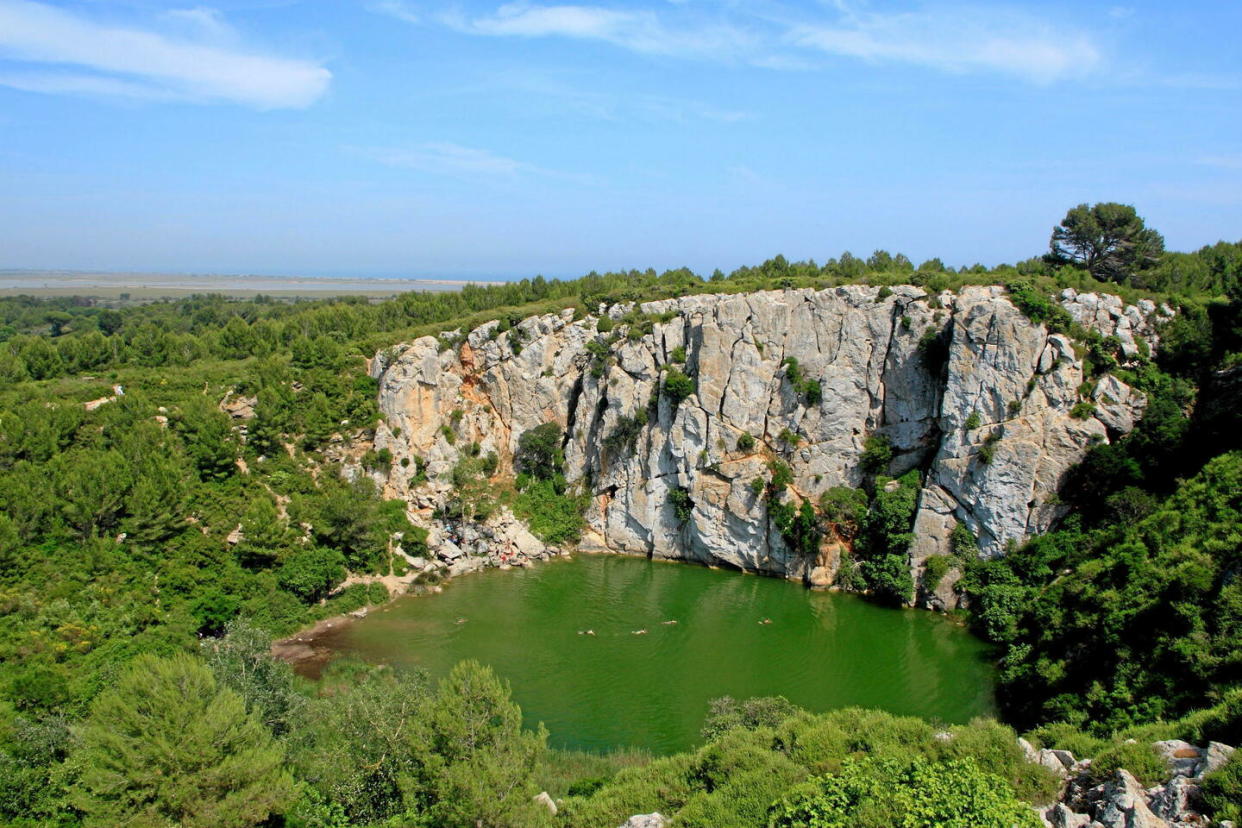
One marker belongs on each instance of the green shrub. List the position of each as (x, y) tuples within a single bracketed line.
[(677, 386), (539, 451), (745, 442), (756, 486), (789, 438), (683, 506), (973, 421), (891, 793), (877, 454), (678, 354), (1083, 410), (935, 567), (553, 515), (311, 573), (845, 509), (782, 476), (604, 324), (1139, 758), (1222, 790)]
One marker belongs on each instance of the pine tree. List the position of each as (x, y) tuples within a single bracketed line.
[(167, 746)]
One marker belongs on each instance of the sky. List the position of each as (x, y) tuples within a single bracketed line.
[(485, 139)]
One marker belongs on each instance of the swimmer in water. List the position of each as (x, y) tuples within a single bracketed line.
[(669, 622), (461, 620), (638, 632), (766, 621)]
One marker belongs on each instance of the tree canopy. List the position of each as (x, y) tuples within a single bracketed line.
[(1109, 239)]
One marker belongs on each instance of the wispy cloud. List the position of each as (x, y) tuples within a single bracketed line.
[(955, 39), (643, 31), (452, 159), (961, 39), (394, 8), (132, 62)]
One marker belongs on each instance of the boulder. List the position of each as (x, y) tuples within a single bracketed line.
[(546, 801), (1124, 805), (652, 820)]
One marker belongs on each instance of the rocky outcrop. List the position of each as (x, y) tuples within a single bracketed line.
[(962, 386), (1121, 801)]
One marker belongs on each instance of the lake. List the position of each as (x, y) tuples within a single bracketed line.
[(735, 634)]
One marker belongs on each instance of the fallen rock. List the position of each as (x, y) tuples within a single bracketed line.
[(1183, 758), (1177, 802), (1059, 816), (543, 799), (653, 820), (1216, 755), (1124, 805)]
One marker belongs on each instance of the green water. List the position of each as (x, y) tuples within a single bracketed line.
[(821, 650)]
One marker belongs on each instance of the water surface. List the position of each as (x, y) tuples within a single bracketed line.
[(614, 688)]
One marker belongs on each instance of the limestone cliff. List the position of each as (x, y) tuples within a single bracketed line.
[(1014, 384)]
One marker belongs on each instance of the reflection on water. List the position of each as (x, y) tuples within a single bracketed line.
[(737, 635)]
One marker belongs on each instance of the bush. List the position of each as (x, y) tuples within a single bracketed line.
[(890, 793), (553, 516), (1139, 758), (745, 442), (888, 578), (1222, 790), (935, 567), (726, 714), (877, 454), (678, 354), (1083, 410), (973, 421), (311, 573), (683, 506), (845, 510), (539, 451), (604, 324), (677, 386)]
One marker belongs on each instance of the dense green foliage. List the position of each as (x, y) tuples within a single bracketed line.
[(160, 516), (166, 745), (762, 752), (1108, 239), (904, 794)]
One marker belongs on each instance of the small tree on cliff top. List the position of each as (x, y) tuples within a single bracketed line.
[(1108, 239)]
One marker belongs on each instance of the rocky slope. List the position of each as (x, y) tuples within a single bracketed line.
[(989, 419)]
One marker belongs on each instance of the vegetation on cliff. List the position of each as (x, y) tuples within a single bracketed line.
[(137, 522)]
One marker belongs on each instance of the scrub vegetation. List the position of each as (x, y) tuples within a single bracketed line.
[(151, 544)]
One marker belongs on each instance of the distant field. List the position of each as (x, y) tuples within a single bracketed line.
[(145, 287)]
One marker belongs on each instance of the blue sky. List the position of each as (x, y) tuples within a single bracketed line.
[(493, 139)]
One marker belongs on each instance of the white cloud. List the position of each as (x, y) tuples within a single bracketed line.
[(639, 31), (451, 159), (116, 60), (393, 8), (961, 39), (202, 20), (953, 39)]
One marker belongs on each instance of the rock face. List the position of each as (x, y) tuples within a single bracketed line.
[(963, 386)]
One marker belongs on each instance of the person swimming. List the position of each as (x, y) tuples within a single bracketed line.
[(638, 632), (669, 622)]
